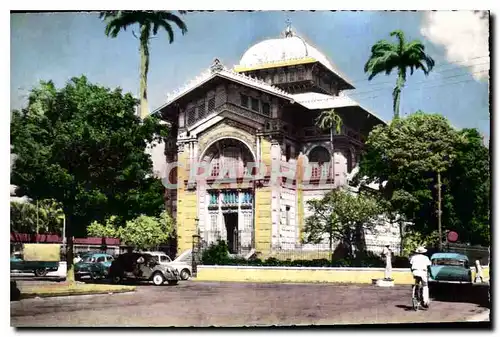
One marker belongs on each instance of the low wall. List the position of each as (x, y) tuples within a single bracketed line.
[(304, 274)]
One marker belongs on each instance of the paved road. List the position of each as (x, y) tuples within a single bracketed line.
[(236, 304)]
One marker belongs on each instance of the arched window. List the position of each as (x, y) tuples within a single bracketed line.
[(319, 157), (227, 158)]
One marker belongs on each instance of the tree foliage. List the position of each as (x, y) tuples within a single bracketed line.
[(409, 152), (413, 239), (149, 22), (329, 120), (43, 217), (400, 56), (143, 232), (108, 229), (341, 216), (83, 146)]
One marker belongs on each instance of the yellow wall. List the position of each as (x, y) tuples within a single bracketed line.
[(187, 205), (263, 221), (304, 275), (263, 199), (486, 273), (265, 153)]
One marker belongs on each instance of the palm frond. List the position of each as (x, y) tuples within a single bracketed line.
[(329, 119), (415, 56), (384, 64), (384, 58), (168, 16), (401, 39)]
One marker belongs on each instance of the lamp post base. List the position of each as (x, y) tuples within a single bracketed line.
[(383, 282)]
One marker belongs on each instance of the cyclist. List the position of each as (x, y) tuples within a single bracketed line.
[(419, 266)]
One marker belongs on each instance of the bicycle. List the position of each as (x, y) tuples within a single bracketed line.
[(417, 297)]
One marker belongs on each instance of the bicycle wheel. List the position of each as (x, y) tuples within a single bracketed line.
[(415, 298), (414, 303)]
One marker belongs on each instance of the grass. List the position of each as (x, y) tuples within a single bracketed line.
[(67, 289)]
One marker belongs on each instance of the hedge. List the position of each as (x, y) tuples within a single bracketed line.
[(218, 254)]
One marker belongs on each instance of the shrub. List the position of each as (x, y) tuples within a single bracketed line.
[(217, 254)]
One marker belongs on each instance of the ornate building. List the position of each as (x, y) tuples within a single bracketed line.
[(244, 155)]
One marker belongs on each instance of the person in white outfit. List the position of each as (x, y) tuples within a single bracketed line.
[(419, 268)]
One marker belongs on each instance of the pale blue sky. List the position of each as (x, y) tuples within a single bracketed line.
[(62, 45)]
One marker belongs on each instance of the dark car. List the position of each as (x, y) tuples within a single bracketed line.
[(142, 267), (93, 265)]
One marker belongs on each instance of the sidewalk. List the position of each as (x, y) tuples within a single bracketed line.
[(482, 317)]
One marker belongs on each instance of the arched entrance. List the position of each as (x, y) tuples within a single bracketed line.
[(320, 157), (227, 200)]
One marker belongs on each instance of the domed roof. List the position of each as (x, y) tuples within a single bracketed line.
[(280, 50), (287, 50)]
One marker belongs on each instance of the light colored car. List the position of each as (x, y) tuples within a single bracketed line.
[(450, 268), (184, 269)]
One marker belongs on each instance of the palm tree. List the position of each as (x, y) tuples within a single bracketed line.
[(149, 23), (402, 55), (330, 120)]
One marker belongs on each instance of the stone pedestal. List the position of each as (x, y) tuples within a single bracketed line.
[(383, 282)]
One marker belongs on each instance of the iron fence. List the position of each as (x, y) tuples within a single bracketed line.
[(323, 252), (238, 242), (472, 252)]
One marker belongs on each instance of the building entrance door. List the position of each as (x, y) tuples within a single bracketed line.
[(231, 221)]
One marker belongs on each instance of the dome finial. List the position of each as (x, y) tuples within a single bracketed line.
[(288, 30)]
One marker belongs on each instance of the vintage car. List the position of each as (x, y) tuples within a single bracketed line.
[(142, 267), (93, 265), (184, 269), (39, 268), (450, 268)]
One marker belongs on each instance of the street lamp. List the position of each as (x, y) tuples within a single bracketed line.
[(195, 248)]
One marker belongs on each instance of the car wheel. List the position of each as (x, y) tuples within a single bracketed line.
[(173, 282), (185, 274), (40, 272), (116, 279), (158, 279)]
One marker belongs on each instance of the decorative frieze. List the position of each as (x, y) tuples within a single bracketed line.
[(227, 129)]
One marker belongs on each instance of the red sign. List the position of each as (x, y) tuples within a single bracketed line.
[(452, 236)]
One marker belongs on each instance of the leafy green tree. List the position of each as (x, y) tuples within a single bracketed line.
[(342, 216), (330, 120), (83, 146), (400, 56), (467, 194), (149, 23), (43, 217), (412, 240), (412, 155), (143, 232), (107, 230), (146, 232)]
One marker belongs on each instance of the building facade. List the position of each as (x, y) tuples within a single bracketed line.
[(245, 155)]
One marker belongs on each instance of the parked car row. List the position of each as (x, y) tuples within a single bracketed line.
[(142, 266)]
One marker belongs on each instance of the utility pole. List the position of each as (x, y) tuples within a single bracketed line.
[(64, 229), (439, 210), (36, 221)]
